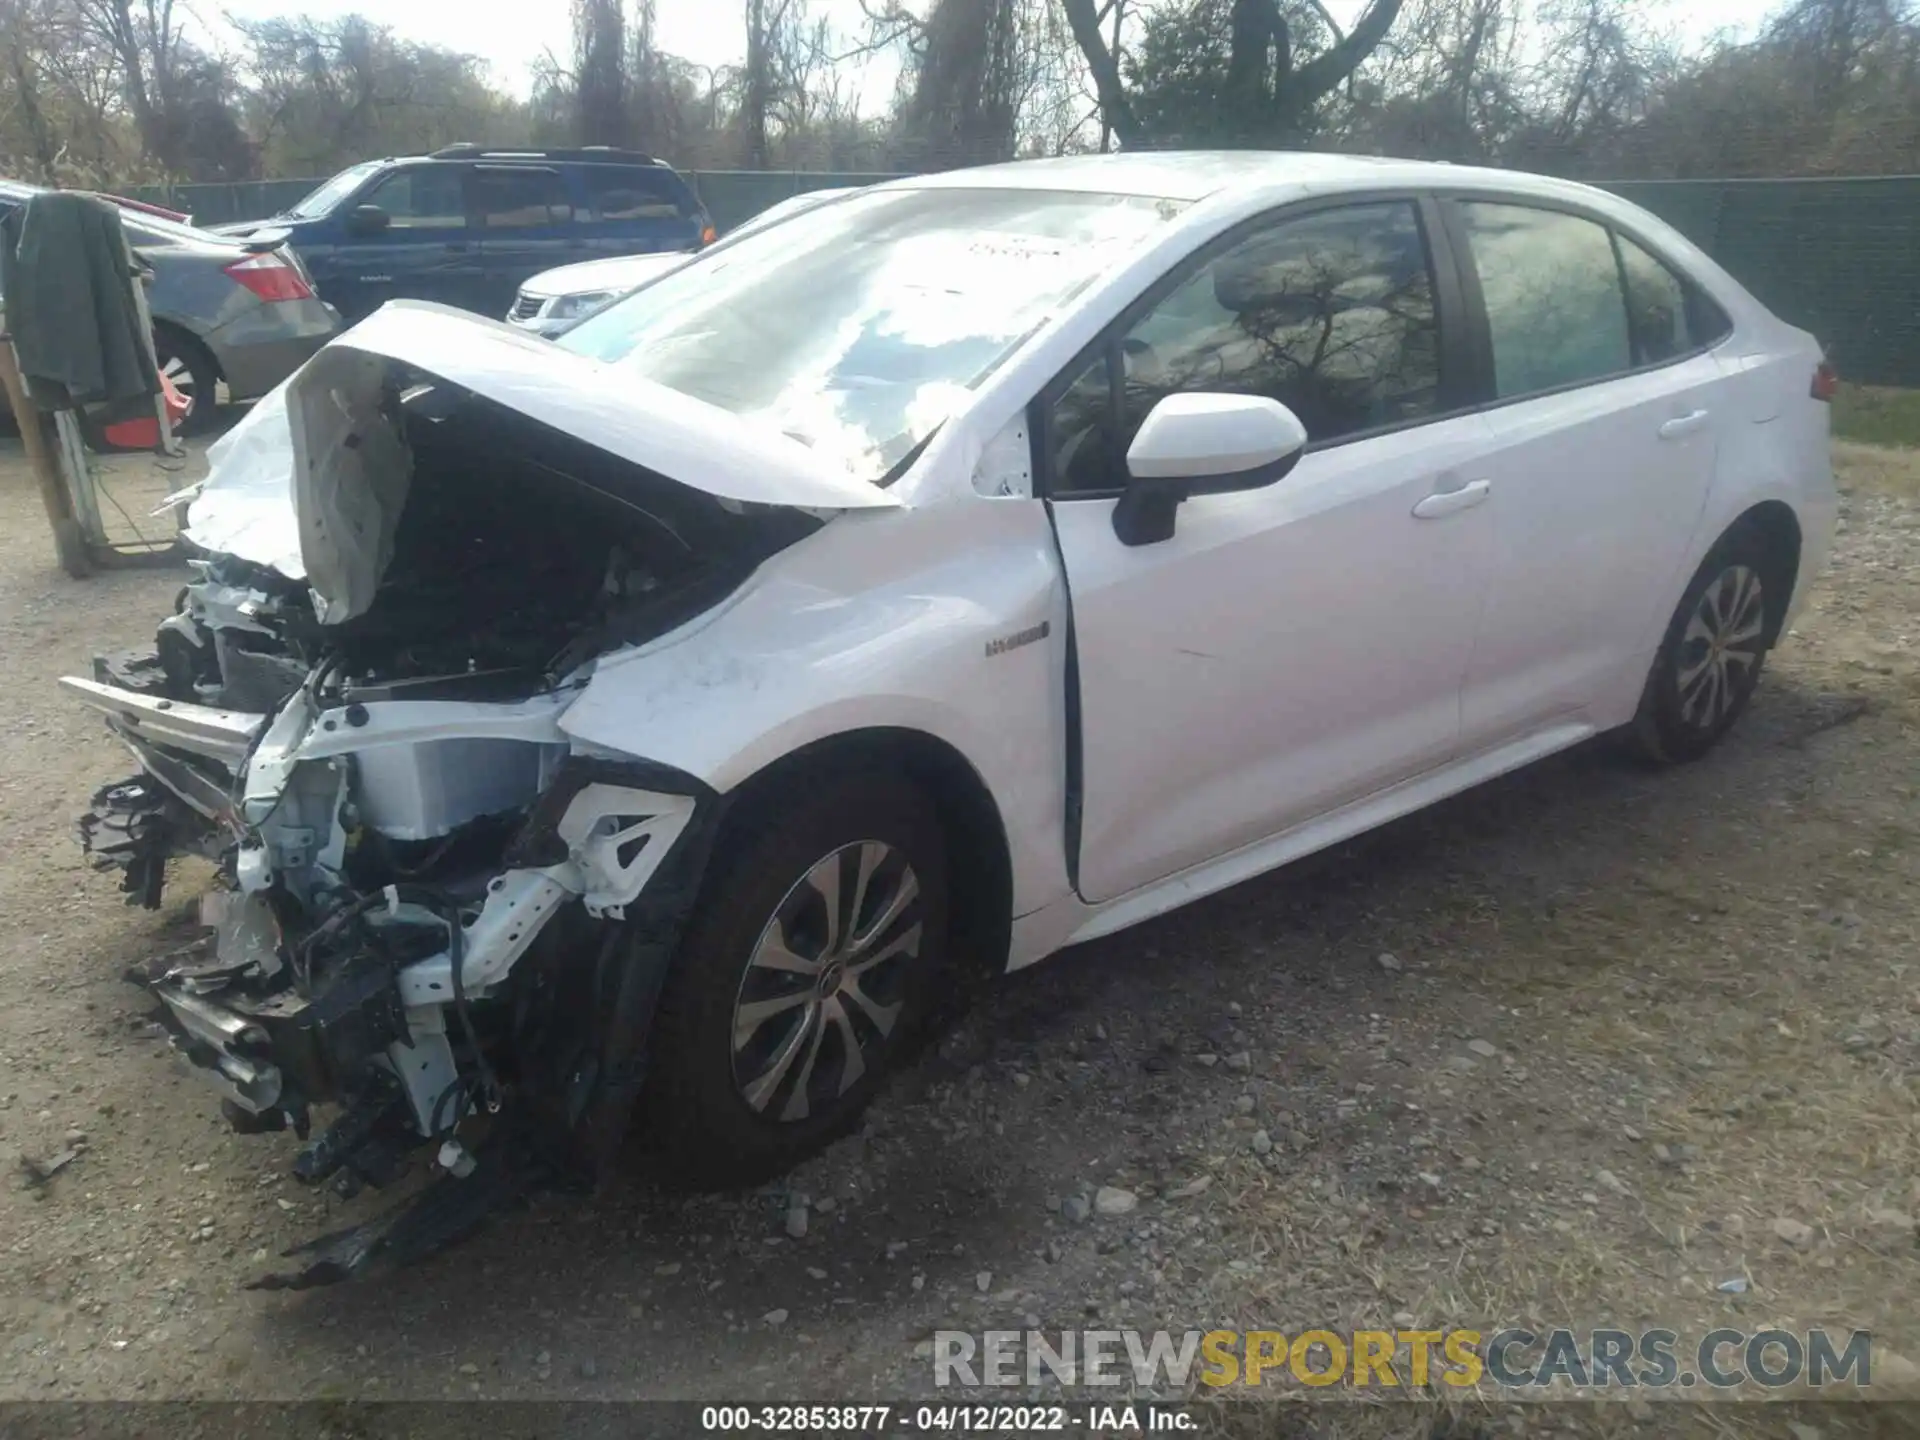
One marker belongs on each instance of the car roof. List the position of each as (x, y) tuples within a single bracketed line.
[(526, 155), (1194, 175)]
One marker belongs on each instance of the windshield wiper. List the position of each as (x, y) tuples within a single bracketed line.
[(906, 461)]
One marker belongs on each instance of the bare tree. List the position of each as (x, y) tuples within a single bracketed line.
[(144, 42), (323, 94), (600, 59), (764, 18), (22, 43), (1103, 66), (1267, 88)]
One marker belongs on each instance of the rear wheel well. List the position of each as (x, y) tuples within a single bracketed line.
[(1779, 531), (980, 878), (186, 340)]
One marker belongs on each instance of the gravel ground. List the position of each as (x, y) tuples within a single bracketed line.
[(1578, 1048)]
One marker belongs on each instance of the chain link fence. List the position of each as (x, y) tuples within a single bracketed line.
[(1838, 257)]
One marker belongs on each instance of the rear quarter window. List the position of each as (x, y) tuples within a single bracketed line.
[(615, 194), (1669, 314)]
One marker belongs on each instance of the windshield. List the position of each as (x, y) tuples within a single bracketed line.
[(858, 327), (318, 202)]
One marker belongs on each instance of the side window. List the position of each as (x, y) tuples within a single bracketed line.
[(421, 197), (1331, 314), (1553, 298), (520, 198), (1669, 317), (1085, 453), (635, 194)]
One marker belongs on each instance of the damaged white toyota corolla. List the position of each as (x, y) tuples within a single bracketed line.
[(675, 714)]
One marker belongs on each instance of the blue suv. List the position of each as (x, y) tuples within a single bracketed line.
[(466, 225)]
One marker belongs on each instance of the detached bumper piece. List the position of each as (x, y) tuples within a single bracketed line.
[(450, 1208), (130, 827)]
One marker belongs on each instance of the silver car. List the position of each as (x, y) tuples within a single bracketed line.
[(223, 310)]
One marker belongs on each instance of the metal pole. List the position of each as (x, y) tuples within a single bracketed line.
[(73, 456)]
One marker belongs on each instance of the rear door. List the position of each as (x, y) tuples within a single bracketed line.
[(426, 252), (525, 215), (1606, 416), (636, 210)]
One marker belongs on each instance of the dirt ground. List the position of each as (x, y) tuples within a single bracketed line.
[(1595, 1044)]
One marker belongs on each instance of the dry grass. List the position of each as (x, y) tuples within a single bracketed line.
[(1876, 470), (1877, 415)]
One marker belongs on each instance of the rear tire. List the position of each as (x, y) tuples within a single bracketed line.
[(809, 963), (186, 363), (1715, 646)]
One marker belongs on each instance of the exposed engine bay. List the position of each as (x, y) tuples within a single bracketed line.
[(440, 922)]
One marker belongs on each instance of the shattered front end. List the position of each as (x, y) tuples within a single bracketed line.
[(427, 916), (441, 921)]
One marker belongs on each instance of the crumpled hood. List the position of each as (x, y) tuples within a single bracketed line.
[(313, 481)]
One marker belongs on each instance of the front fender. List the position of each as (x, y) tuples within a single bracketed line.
[(950, 621)]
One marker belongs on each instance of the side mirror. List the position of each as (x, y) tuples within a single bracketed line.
[(1202, 444), (367, 220)]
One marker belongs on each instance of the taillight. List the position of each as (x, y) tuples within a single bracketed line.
[(1826, 381), (270, 277)]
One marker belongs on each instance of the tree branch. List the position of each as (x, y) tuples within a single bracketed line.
[(1323, 74), (1104, 66)]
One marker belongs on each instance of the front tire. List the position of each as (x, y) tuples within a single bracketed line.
[(809, 962), (1710, 660)]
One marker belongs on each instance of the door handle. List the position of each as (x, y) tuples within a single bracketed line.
[(1682, 426), (1446, 502)]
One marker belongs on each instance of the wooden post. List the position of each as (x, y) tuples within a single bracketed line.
[(68, 542)]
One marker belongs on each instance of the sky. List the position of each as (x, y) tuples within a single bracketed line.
[(713, 32)]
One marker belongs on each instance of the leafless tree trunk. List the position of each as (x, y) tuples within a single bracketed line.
[(600, 96), (144, 45), (762, 17), (1103, 65)]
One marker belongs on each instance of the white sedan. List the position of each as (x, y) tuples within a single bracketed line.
[(980, 564), (554, 299)]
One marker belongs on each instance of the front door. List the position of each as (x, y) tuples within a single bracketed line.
[(426, 251), (1289, 649)]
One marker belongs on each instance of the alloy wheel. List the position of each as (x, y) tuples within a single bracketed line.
[(1720, 650), (827, 980), (180, 375)]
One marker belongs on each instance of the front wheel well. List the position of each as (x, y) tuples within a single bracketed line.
[(1778, 529), (980, 866)]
